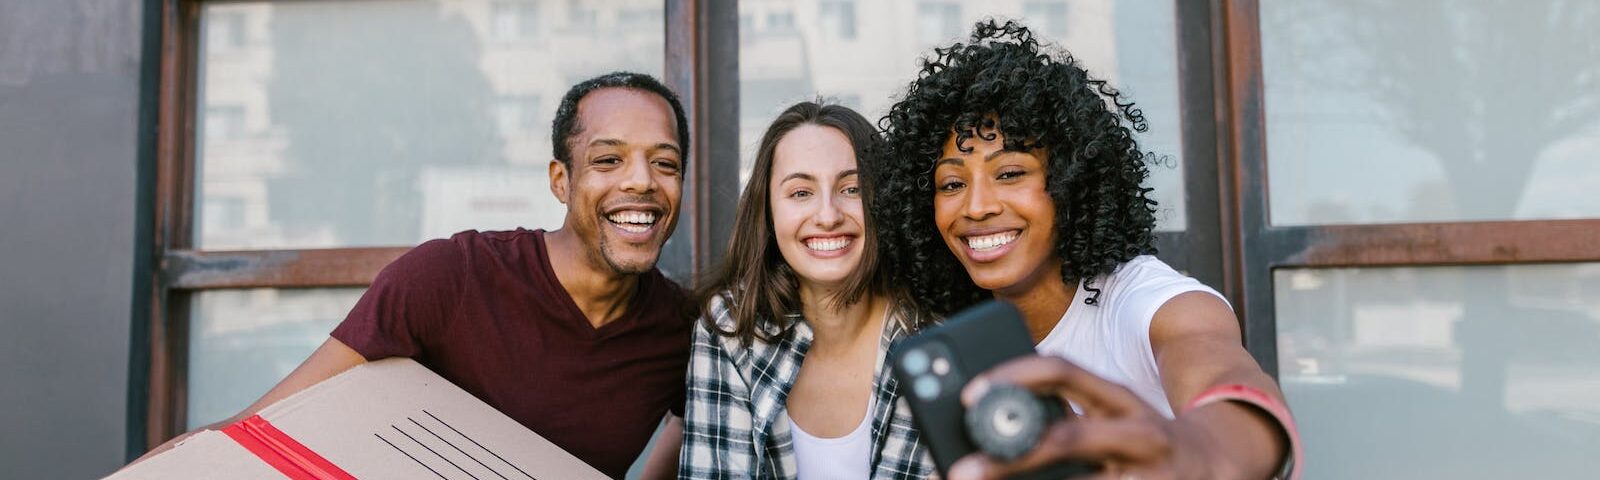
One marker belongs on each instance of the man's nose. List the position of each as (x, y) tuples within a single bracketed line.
[(636, 176)]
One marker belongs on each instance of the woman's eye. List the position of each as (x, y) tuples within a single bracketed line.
[(1010, 174), (800, 194), (851, 190), (951, 186)]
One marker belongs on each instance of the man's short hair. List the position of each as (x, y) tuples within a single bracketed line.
[(566, 124)]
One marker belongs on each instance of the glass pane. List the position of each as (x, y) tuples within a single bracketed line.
[(241, 342), (1431, 110), (1443, 372), (862, 53), (388, 122)]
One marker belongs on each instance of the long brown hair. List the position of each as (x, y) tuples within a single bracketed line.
[(763, 292)]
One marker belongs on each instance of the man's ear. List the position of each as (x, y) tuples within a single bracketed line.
[(558, 180)]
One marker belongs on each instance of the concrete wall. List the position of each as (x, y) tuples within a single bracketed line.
[(70, 156)]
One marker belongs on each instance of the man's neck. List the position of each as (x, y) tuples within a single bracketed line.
[(599, 291), (1042, 303)]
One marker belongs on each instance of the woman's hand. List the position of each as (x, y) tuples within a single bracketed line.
[(1117, 430)]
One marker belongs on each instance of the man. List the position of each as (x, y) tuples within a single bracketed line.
[(573, 332)]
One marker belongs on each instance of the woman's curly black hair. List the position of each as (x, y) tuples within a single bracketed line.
[(1005, 81)]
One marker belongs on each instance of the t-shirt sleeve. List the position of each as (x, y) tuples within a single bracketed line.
[(411, 298), (1150, 285)]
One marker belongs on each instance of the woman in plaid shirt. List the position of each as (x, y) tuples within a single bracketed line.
[(787, 376)]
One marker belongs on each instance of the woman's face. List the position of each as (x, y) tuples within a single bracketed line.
[(992, 210), (817, 216)]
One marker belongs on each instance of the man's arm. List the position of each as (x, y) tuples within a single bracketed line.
[(663, 461), (332, 358)]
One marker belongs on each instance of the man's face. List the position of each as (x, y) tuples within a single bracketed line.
[(623, 184)]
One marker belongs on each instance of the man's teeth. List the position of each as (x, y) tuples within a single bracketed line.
[(827, 244), (991, 241), (632, 221)]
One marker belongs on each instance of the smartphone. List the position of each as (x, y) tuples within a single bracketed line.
[(933, 366)]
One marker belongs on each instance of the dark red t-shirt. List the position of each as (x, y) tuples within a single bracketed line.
[(485, 311)]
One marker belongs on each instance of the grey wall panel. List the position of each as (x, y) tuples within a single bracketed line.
[(69, 151)]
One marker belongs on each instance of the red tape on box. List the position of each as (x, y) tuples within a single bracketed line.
[(281, 451)]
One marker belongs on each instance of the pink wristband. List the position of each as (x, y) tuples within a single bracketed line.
[(1256, 398)]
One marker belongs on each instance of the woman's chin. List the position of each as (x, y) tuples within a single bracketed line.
[(993, 283)]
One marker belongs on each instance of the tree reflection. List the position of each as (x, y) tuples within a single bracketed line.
[(1486, 87)]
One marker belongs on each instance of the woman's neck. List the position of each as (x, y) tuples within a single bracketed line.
[(839, 326), (1043, 301)]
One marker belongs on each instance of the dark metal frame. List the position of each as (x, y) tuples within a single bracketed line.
[(703, 67), (1196, 249), (174, 190)]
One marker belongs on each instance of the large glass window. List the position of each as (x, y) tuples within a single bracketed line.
[(388, 122), (1411, 372), (1431, 110), (862, 54), (372, 123)]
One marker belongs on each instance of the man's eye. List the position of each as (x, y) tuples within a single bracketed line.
[(667, 165), (607, 160)]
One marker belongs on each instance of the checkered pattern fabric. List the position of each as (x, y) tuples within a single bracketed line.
[(737, 393)]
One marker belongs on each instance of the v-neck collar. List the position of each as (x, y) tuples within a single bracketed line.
[(579, 320)]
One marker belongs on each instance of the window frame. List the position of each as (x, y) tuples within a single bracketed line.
[(696, 60), (1255, 247)]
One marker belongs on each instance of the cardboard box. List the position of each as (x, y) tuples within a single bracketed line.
[(390, 419)]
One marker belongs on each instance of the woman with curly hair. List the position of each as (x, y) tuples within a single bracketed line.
[(786, 374), (1015, 176)]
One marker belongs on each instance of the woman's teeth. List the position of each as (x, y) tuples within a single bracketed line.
[(827, 244), (633, 221), (991, 241)]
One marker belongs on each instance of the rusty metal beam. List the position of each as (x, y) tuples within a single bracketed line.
[(1480, 243), (174, 203), (335, 267)]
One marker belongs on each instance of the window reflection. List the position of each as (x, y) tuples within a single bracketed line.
[(1403, 372), (938, 22), (1431, 110), (388, 122), (241, 342), (838, 18)]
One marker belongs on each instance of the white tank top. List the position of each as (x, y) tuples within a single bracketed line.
[(1112, 338), (849, 456)]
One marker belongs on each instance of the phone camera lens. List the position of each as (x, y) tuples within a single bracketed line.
[(915, 362), (1007, 421), (926, 387)]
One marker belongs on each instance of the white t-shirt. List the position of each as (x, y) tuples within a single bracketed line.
[(849, 456), (1112, 338)]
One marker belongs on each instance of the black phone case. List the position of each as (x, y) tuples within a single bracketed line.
[(974, 340)]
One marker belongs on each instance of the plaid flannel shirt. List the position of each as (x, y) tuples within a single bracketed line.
[(737, 394)]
